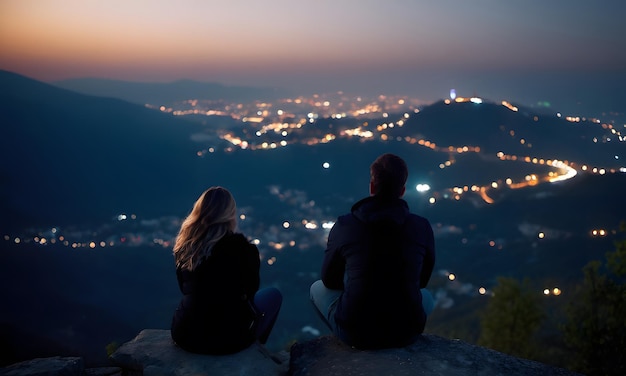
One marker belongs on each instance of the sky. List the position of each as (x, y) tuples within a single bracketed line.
[(351, 45)]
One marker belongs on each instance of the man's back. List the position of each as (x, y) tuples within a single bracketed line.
[(387, 254)]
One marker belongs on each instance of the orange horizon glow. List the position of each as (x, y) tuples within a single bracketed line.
[(163, 40)]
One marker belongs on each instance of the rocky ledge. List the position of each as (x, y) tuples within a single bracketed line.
[(152, 353)]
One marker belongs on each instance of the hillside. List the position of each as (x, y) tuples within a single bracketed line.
[(494, 127), (71, 157)]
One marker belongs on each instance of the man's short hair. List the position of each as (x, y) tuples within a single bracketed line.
[(388, 175)]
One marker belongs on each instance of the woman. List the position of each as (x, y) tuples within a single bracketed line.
[(222, 310)]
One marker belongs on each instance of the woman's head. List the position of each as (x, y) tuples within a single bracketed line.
[(213, 216), (215, 206)]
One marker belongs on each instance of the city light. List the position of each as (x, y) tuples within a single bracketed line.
[(311, 122)]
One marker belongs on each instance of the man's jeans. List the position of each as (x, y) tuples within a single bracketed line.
[(325, 300)]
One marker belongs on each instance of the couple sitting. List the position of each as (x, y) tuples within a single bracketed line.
[(377, 263)]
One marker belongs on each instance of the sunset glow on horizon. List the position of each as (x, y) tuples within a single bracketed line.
[(286, 43)]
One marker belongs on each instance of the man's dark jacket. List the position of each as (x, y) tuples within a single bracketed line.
[(215, 315), (380, 255)]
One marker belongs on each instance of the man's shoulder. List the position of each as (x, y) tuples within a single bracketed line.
[(346, 220), (416, 218)]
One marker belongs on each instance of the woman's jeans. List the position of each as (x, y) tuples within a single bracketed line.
[(267, 301)]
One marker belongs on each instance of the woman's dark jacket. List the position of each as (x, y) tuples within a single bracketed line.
[(380, 255), (215, 315)]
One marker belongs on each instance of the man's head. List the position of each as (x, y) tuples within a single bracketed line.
[(388, 176)]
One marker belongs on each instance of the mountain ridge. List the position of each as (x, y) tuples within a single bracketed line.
[(167, 93)]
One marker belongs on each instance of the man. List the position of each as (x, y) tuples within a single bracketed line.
[(378, 261)]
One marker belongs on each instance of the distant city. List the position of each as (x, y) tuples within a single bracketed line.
[(266, 126)]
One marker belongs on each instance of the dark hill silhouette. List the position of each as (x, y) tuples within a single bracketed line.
[(168, 93), (494, 128), (71, 157)]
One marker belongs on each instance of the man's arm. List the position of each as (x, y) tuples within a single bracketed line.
[(333, 266), (429, 256)]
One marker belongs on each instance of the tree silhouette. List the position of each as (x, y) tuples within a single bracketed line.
[(511, 318), (596, 326)]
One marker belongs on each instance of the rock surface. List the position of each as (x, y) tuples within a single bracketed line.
[(430, 355), (57, 365), (153, 353)]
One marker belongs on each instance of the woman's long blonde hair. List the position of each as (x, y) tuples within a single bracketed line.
[(213, 216)]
